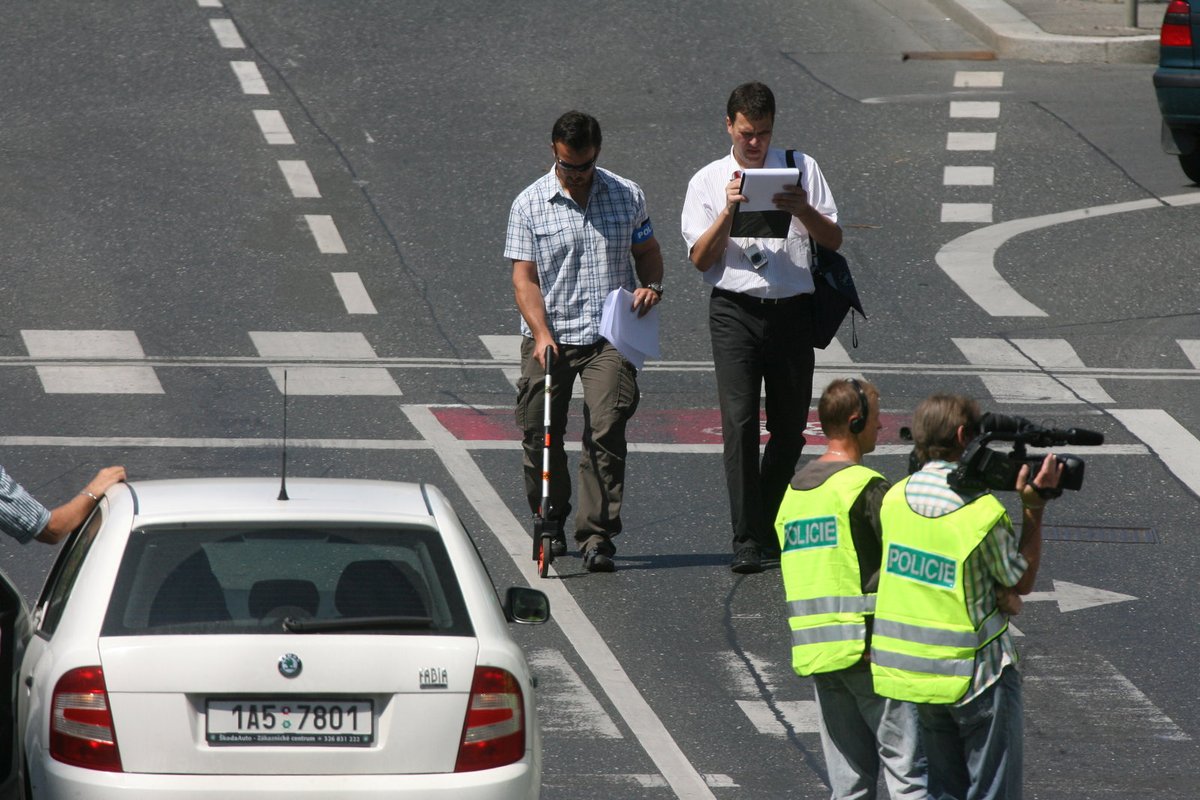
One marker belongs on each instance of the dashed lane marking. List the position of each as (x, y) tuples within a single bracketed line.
[(249, 77), (274, 128), (968, 176), (978, 79), (325, 233), (970, 141), (299, 179), (209, 3), (966, 212), (974, 109), (227, 34), (353, 293)]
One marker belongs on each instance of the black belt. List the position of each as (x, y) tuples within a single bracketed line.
[(751, 300)]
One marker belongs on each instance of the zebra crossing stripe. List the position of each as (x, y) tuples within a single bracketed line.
[(85, 378), (576, 711), (1170, 441)]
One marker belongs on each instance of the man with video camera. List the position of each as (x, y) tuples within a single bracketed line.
[(951, 561)]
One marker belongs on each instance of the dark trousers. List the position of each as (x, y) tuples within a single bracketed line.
[(610, 397), (753, 344)]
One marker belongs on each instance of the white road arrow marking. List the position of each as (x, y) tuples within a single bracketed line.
[(1073, 597)]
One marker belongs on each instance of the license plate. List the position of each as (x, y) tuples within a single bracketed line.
[(324, 723)]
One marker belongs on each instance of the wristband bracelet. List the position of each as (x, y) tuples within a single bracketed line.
[(86, 493)]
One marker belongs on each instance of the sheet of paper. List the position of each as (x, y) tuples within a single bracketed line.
[(760, 185), (635, 337)]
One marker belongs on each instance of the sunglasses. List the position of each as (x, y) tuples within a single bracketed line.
[(575, 167)]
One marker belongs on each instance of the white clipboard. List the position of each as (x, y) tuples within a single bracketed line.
[(760, 185)]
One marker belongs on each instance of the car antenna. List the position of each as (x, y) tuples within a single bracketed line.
[(283, 495)]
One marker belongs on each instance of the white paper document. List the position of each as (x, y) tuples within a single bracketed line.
[(635, 337), (760, 185)]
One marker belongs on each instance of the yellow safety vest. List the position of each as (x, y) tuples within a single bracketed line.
[(924, 644), (826, 606)]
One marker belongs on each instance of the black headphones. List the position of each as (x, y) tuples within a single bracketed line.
[(859, 424)]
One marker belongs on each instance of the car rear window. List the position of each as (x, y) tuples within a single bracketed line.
[(210, 580)]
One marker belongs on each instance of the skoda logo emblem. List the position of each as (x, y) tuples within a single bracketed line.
[(289, 665)]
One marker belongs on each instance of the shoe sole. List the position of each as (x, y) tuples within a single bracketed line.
[(600, 564), (746, 568)]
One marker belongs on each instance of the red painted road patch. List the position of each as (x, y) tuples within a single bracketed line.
[(668, 426)]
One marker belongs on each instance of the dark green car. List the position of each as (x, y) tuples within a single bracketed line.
[(1177, 84)]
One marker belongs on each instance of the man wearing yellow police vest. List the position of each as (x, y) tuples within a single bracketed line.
[(829, 535), (941, 632)]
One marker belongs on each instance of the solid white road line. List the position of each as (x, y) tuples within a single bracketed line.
[(273, 128), (1170, 441), (227, 34), (325, 233), (353, 293), (299, 179), (970, 141), (249, 77), (649, 730)]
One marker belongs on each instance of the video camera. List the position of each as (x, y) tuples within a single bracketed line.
[(981, 468)]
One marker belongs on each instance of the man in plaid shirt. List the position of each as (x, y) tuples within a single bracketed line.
[(575, 235)]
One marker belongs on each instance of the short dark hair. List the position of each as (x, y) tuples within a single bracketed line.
[(936, 422), (839, 402), (576, 130), (752, 100)]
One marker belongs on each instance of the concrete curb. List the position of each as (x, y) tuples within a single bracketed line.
[(1012, 35)]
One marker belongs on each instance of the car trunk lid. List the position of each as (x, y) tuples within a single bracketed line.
[(173, 700)]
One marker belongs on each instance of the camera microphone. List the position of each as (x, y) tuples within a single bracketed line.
[(1035, 434), (1079, 436)]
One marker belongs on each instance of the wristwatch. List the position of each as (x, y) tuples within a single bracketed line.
[(656, 288)]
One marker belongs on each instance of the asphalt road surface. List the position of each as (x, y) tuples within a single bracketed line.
[(200, 196)]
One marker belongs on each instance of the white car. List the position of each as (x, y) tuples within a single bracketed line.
[(207, 638)]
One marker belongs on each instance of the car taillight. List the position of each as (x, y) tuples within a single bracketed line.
[(494, 732), (81, 725), (1177, 25)]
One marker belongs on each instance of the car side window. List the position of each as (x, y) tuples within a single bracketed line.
[(65, 571)]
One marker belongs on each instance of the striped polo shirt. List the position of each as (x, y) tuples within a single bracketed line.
[(21, 517)]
